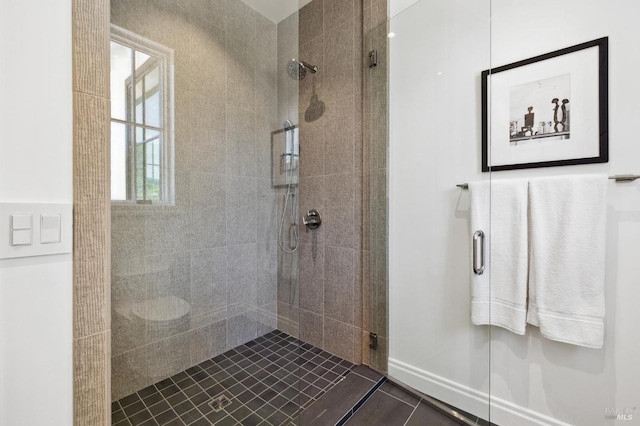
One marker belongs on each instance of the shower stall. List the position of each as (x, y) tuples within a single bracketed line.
[(290, 200), (237, 193)]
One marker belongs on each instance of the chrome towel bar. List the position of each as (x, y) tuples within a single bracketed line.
[(617, 178)]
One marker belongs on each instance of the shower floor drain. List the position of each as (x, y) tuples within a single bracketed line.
[(219, 403)]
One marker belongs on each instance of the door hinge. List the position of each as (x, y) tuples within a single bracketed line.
[(373, 341), (373, 58)]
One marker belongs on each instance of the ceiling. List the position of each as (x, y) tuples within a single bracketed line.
[(276, 10)]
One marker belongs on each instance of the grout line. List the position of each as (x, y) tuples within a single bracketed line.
[(411, 415), (91, 335), (92, 95), (369, 379), (395, 397)]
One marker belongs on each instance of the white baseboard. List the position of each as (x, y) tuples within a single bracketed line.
[(473, 401)]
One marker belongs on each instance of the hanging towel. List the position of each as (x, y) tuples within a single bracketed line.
[(567, 258), (499, 295)]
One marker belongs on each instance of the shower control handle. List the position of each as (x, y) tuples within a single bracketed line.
[(312, 219), (478, 252)]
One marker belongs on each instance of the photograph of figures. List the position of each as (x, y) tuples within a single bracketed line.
[(548, 110), (540, 110)]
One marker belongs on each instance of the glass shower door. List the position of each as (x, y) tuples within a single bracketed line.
[(558, 88), (202, 291), (438, 337), (375, 142)]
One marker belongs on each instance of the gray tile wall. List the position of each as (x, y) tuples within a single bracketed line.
[(335, 294), (213, 254)]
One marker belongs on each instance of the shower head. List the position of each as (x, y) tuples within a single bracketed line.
[(297, 69)]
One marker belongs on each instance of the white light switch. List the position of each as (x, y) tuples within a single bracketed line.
[(35, 229), (21, 225), (21, 221), (21, 237), (50, 228)]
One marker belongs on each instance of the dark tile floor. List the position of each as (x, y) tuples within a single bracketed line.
[(341, 401), (262, 378), (392, 406), (366, 398)]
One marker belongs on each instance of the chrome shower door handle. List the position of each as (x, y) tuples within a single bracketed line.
[(478, 252)]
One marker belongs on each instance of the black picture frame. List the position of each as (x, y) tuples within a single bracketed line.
[(602, 45)]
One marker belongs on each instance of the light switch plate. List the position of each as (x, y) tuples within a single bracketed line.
[(50, 228), (35, 229)]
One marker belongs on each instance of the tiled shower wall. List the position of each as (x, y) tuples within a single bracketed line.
[(342, 265), (216, 248), (331, 175)]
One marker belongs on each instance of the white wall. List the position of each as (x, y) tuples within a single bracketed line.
[(35, 166), (398, 6), (434, 144)]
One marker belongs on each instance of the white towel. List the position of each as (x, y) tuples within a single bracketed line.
[(499, 295), (567, 258)]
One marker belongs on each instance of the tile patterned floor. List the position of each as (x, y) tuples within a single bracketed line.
[(345, 398), (262, 378), (393, 406), (366, 398)]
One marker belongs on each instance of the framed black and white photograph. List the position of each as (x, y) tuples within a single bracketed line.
[(550, 110)]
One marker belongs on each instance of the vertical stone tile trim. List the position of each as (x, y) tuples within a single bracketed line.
[(91, 381), (92, 220), (91, 46), (92, 216)]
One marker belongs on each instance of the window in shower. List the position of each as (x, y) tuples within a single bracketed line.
[(141, 119)]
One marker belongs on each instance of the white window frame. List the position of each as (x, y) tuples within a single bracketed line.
[(166, 58)]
